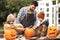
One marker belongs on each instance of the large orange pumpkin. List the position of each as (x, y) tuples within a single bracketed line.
[(52, 32), (10, 34), (29, 32)]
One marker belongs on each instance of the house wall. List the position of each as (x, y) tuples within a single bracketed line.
[(51, 11), (47, 10)]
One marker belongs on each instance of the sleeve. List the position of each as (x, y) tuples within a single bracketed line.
[(36, 23), (17, 20)]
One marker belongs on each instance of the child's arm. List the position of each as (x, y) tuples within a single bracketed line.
[(6, 26), (19, 27)]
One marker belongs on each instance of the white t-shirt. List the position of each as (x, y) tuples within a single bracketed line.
[(38, 23)]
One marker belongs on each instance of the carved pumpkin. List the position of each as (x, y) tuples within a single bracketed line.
[(52, 32), (10, 34), (29, 32)]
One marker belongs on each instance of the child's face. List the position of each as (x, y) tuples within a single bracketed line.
[(40, 19), (11, 22)]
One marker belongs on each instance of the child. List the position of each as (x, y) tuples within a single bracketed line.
[(41, 16), (40, 19), (43, 25), (9, 23)]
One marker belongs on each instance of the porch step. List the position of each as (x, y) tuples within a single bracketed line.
[(1, 34), (1, 31)]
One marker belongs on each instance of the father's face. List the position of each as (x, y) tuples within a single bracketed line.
[(32, 7)]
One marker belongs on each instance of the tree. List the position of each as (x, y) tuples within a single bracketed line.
[(8, 6), (16, 4)]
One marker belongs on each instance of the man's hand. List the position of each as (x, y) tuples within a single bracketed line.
[(34, 27)]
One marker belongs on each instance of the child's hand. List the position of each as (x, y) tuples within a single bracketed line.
[(12, 26), (6, 26)]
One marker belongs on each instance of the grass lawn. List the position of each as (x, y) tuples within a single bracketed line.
[(1, 27)]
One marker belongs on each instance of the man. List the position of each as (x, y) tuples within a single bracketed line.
[(27, 15)]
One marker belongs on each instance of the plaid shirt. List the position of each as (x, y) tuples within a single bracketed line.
[(23, 11)]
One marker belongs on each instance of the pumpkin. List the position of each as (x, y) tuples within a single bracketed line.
[(10, 34), (29, 32), (52, 32)]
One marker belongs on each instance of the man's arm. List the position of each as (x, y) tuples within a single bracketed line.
[(36, 21), (36, 24), (17, 20)]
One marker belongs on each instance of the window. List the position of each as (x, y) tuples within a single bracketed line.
[(47, 9), (48, 20), (47, 4), (59, 9), (47, 14), (54, 2), (52, 9), (40, 8), (59, 21), (43, 8), (58, 15), (52, 21), (58, 1), (52, 15)]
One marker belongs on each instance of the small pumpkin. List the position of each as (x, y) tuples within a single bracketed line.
[(29, 32), (10, 34), (52, 32)]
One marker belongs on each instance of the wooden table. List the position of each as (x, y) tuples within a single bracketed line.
[(35, 38)]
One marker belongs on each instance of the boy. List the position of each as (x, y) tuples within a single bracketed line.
[(43, 25)]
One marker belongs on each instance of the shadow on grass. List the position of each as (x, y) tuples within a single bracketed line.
[(1, 31)]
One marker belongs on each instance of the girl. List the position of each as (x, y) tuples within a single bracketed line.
[(9, 24)]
